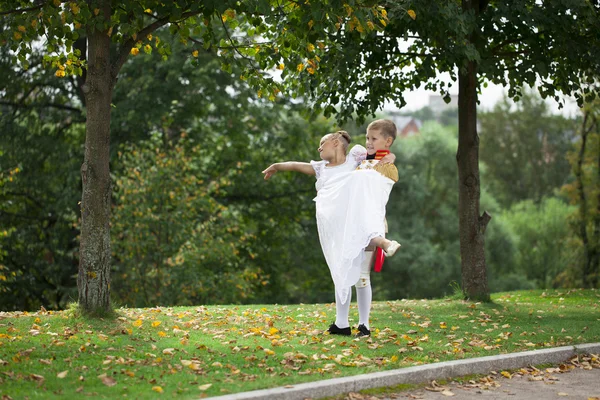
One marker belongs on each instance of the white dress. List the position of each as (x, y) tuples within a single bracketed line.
[(350, 207)]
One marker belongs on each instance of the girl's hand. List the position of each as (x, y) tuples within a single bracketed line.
[(388, 159), (270, 171)]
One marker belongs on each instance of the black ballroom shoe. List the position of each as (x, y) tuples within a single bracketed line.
[(334, 330), (363, 331)]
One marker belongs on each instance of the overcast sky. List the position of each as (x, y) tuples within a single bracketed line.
[(488, 98)]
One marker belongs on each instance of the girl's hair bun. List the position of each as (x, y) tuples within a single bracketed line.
[(345, 135)]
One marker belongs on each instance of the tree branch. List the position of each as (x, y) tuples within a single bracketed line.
[(484, 219), (258, 198), (415, 54), (23, 10), (27, 196), (512, 53), (128, 45), (235, 48), (23, 216), (52, 105)]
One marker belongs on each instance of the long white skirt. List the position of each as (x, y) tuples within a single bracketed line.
[(350, 212)]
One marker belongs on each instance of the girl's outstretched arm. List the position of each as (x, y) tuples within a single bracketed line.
[(303, 167)]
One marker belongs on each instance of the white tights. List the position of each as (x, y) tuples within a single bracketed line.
[(364, 297)]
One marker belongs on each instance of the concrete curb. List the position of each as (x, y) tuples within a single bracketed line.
[(419, 374)]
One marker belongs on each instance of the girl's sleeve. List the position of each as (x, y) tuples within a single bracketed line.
[(358, 153), (318, 167)]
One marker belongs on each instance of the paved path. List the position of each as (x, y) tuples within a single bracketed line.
[(576, 384), (571, 380)]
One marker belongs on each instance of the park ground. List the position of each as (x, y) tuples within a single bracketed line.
[(214, 350)]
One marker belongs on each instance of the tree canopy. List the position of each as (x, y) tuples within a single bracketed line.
[(347, 57)]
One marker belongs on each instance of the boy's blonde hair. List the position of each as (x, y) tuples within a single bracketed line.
[(386, 127)]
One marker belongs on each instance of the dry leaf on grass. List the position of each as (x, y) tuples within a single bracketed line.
[(107, 380)]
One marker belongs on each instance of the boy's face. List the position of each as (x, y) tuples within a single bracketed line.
[(327, 147), (376, 141)]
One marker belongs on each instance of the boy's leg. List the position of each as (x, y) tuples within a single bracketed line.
[(389, 246), (364, 293)]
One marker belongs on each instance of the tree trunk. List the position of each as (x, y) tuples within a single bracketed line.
[(591, 243), (583, 219), (93, 280), (595, 263), (471, 225)]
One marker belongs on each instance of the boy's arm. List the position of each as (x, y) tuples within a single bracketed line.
[(388, 159), (303, 167)]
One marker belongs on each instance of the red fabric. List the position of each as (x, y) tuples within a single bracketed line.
[(379, 154), (379, 255), (379, 258)]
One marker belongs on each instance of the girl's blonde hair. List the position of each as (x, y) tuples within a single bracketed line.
[(343, 137)]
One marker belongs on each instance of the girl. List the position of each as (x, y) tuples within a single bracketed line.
[(350, 207)]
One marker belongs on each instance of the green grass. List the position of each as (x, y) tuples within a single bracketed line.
[(179, 351)]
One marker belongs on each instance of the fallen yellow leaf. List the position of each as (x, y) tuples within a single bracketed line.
[(506, 374), (205, 387), (157, 389), (62, 375)]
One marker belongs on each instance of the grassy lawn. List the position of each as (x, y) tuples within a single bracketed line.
[(209, 351)]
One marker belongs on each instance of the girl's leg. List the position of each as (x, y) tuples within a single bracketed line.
[(342, 310), (364, 293)]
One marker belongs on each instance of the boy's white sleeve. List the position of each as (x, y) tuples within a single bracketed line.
[(358, 154), (318, 167)]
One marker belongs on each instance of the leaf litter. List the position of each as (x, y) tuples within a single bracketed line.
[(212, 350)]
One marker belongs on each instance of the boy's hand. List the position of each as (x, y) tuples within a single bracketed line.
[(270, 171), (388, 159)]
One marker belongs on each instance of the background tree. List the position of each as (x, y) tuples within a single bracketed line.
[(358, 62), (214, 110), (344, 54), (584, 192), (538, 228), (422, 214), (129, 25), (524, 150), (41, 121)]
